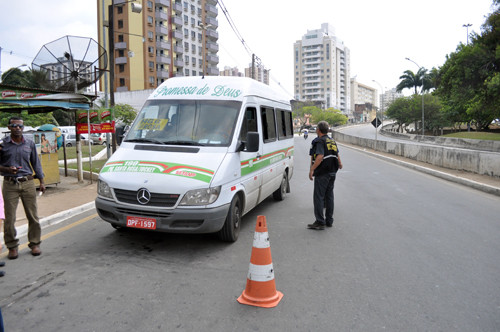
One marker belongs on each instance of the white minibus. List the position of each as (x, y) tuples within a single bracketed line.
[(201, 153)]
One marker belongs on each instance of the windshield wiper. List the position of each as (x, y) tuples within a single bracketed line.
[(144, 140), (184, 143)]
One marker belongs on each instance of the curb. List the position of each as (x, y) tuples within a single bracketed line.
[(473, 184)]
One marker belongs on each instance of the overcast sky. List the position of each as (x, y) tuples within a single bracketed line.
[(380, 34)]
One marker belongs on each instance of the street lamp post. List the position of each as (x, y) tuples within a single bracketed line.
[(422, 91), (136, 8), (467, 27)]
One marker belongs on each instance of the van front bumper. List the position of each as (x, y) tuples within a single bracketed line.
[(207, 220)]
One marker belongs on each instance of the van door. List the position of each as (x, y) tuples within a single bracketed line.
[(251, 171), (271, 175)]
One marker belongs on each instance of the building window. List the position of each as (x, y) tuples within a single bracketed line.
[(119, 10), (120, 38), (150, 35), (150, 20), (120, 23), (121, 68), (186, 72), (122, 82)]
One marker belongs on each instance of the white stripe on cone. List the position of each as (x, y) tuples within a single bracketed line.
[(261, 240), (261, 272)]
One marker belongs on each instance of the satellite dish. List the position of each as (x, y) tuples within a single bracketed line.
[(71, 63)]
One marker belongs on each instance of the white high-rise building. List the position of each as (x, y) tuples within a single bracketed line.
[(322, 69)]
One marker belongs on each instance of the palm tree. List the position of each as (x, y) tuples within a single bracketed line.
[(411, 80)]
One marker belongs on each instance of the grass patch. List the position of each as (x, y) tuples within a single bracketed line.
[(96, 165), (71, 151), (481, 135)]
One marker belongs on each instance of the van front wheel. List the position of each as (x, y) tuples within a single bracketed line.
[(231, 228), (280, 193)]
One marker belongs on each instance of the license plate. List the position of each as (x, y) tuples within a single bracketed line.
[(139, 222)]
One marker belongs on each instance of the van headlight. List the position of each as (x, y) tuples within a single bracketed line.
[(104, 190), (201, 196)]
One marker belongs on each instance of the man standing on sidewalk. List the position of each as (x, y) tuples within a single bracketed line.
[(18, 157), (325, 163)]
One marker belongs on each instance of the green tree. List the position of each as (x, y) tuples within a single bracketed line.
[(469, 81), (124, 114), (402, 111)]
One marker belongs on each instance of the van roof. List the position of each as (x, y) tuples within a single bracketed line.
[(216, 88)]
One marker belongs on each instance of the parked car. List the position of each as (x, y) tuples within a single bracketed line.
[(98, 138), (70, 140)]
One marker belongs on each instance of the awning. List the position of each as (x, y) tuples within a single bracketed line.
[(17, 99)]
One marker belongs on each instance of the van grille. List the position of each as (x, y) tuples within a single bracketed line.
[(144, 213), (160, 200)]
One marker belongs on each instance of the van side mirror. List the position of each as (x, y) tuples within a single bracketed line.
[(252, 144)]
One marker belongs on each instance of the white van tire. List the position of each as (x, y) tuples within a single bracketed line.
[(280, 193), (231, 228)]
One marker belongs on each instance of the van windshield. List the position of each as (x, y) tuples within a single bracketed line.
[(185, 122)]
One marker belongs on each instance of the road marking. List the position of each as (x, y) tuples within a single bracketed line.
[(54, 233)]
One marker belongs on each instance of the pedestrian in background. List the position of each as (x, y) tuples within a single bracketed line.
[(325, 162), (18, 158)]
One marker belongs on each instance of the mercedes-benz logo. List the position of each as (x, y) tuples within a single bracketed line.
[(143, 196)]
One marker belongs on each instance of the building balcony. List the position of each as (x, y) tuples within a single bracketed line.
[(212, 2), (121, 46), (122, 89), (121, 60), (161, 15), (165, 3), (212, 21), (178, 49), (213, 71), (161, 30), (162, 74), (179, 63), (211, 10), (163, 60), (212, 47), (212, 59), (213, 34), (177, 34), (163, 45), (177, 20), (177, 7)]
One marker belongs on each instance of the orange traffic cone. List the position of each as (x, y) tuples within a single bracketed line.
[(261, 288)]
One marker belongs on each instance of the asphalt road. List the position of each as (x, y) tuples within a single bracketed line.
[(408, 252)]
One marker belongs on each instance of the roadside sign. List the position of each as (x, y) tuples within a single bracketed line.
[(376, 122)]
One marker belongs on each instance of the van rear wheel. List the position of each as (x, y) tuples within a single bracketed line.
[(231, 228), (280, 193)]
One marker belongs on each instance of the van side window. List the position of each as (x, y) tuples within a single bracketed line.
[(268, 124), (288, 124), (249, 123)]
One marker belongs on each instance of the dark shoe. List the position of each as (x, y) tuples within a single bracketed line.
[(35, 251), (329, 225), (2, 264), (2, 273), (12, 253), (316, 225)]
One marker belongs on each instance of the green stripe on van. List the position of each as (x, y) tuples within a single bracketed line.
[(158, 167), (251, 165)]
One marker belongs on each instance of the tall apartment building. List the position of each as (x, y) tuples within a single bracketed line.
[(168, 38), (388, 97), (362, 94), (322, 69)]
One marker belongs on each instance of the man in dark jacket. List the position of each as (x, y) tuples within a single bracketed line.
[(18, 158), (325, 162)]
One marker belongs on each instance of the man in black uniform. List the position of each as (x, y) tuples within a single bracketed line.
[(325, 161)]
